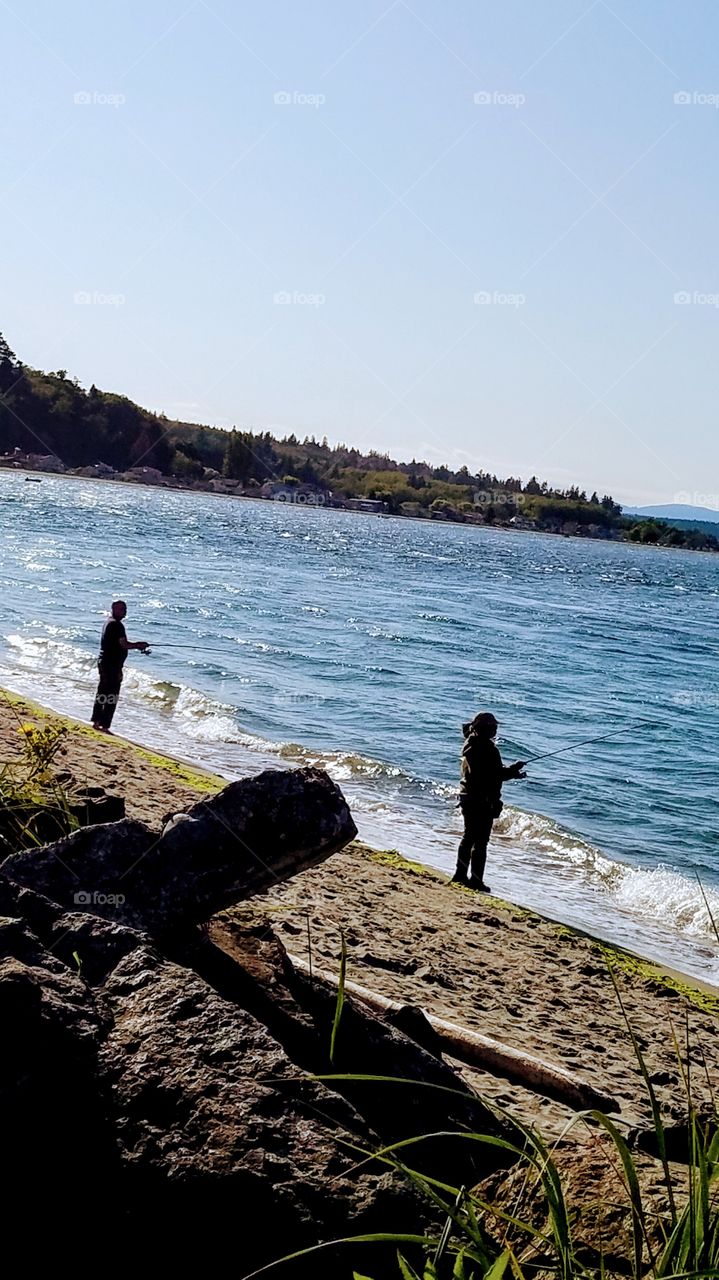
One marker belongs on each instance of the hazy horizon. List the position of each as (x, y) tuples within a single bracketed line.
[(480, 238)]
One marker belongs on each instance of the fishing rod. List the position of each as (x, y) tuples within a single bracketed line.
[(589, 741), (203, 648)]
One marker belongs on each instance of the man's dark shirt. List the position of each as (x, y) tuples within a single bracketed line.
[(482, 773), (112, 653)]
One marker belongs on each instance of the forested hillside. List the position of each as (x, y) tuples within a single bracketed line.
[(51, 414)]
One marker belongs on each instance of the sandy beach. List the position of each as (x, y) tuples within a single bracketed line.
[(475, 960)]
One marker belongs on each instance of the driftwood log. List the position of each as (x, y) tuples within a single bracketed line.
[(477, 1050)]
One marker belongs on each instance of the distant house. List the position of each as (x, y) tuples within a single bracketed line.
[(365, 504)]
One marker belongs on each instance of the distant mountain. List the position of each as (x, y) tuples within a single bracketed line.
[(676, 511)]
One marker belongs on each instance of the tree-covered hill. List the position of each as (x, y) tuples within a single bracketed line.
[(44, 413), (51, 414)]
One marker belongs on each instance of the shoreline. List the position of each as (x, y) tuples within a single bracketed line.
[(457, 524), (534, 984), (183, 780)]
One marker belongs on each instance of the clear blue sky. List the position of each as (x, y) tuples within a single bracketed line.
[(182, 198)]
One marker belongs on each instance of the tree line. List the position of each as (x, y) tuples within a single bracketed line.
[(51, 413)]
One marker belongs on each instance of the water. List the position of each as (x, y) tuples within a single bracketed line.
[(286, 635)]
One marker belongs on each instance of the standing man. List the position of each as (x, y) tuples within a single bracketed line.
[(480, 797), (114, 647)]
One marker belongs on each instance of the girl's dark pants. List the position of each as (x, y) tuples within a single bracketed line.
[(472, 852), (108, 691)]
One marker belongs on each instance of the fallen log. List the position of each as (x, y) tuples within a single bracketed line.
[(251, 835), (477, 1050)]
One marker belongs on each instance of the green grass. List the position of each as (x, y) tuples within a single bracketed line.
[(478, 1240), (35, 804)]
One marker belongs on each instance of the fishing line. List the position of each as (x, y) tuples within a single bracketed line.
[(150, 644), (203, 648), (646, 724)]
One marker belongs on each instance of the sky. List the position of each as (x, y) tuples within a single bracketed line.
[(470, 232)]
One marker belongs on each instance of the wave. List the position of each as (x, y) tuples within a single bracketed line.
[(343, 765), (659, 894), (445, 619), (202, 718), (656, 893)]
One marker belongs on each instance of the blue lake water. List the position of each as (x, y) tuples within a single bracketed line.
[(286, 635)]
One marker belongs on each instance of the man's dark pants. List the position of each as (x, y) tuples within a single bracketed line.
[(472, 853), (108, 691)]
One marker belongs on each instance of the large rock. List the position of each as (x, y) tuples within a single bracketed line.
[(159, 1110), (251, 835), (59, 1147), (220, 1134)]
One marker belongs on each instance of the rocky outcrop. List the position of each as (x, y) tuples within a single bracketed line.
[(171, 1084), (251, 835), (217, 1127)]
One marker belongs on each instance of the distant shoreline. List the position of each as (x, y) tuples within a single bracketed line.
[(178, 487)]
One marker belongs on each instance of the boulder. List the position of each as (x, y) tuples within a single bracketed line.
[(219, 1133), (251, 835), (59, 1146)]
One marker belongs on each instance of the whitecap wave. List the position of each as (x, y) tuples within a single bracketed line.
[(654, 893)]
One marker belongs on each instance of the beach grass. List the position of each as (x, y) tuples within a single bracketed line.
[(532, 1235)]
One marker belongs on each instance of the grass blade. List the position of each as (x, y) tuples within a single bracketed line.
[(340, 1004)]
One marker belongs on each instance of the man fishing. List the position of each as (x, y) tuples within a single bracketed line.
[(114, 647), (480, 797)]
